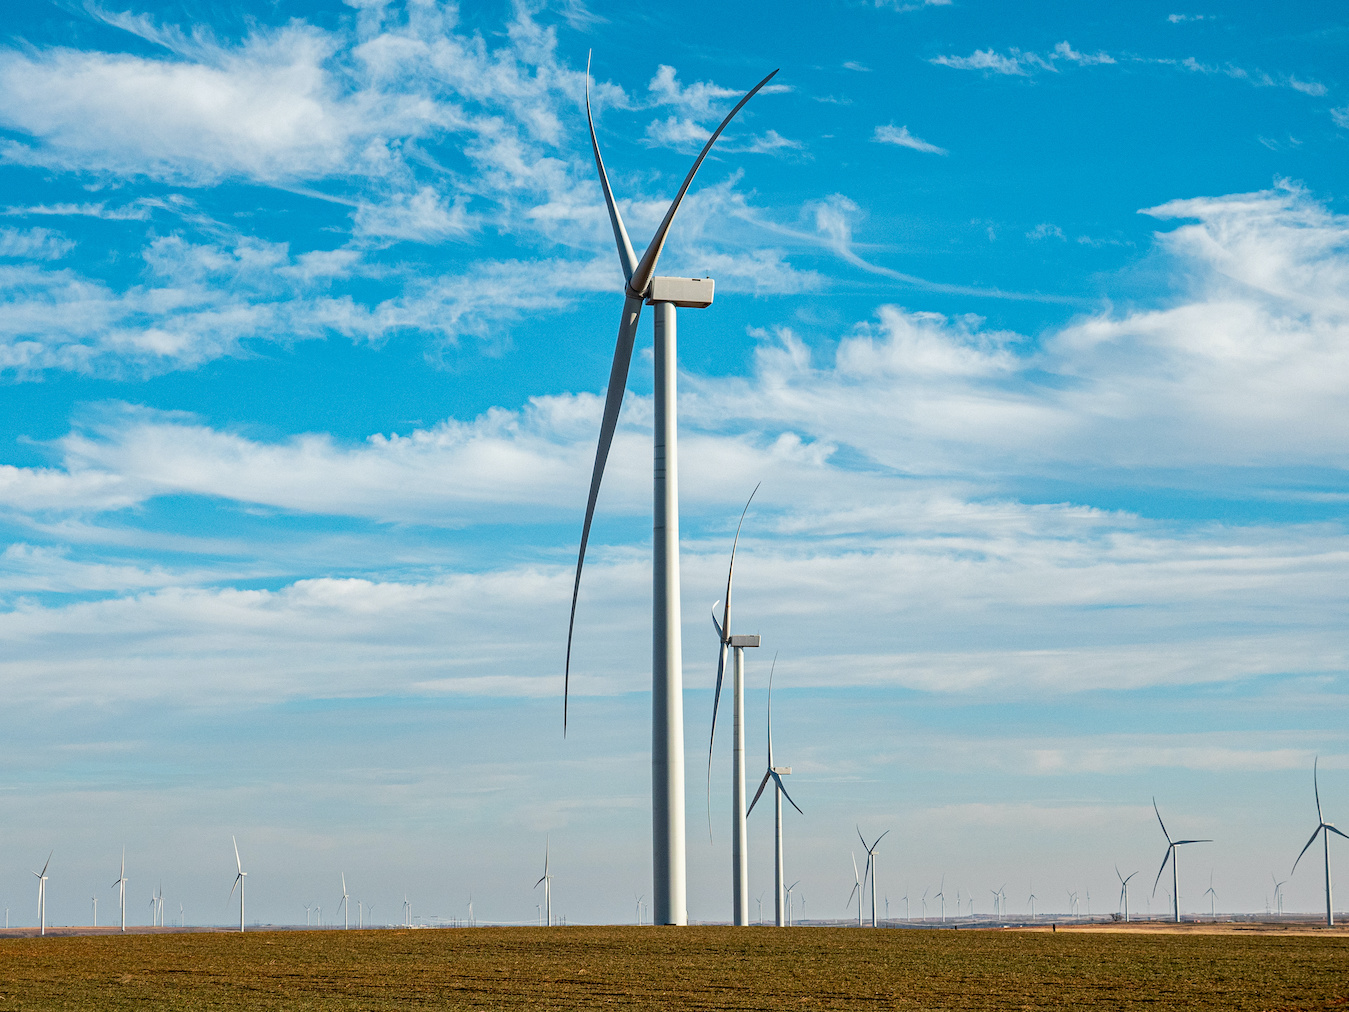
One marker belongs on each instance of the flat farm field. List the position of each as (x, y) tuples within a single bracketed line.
[(670, 968)]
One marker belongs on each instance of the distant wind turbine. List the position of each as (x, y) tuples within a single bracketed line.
[(239, 881), (775, 773), (42, 894), (871, 867), (95, 899), (739, 815), (1171, 846), (1124, 890), (669, 867), (1278, 892), (790, 888), (1213, 897), (547, 882), (1325, 829), (941, 895), (345, 903), (856, 889), (120, 886), (1032, 901)]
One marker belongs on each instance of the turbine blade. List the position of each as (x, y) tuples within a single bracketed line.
[(236, 855), (721, 633), (771, 668), (782, 787), (1161, 869), (1317, 788), (712, 735), (860, 837), (646, 268), (1308, 847), (1181, 843), (626, 256), (48, 861), (1118, 875), (879, 839), (762, 784), (613, 401), (730, 570), (1160, 822), (1334, 830)]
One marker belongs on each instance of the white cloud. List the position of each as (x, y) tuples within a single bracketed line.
[(890, 134), (1341, 117), (1045, 230), (986, 60), (34, 244), (1065, 51)]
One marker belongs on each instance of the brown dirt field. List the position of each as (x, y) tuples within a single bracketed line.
[(672, 968)]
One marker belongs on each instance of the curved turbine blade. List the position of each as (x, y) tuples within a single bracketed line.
[(1129, 876), (48, 861), (646, 268), (1118, 875), (862, 838), (1162, 869), (762, 784), (1317, 788), (1332, 829), (236, 855), (879, 839), (782, 787), (1160, 822), (730, 570), (613, 401), (1181, 843), (712, 735), (771, 668), (626, 256), (1308, 847)]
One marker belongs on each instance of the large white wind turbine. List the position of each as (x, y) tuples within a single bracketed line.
[(547, 882), (775, 773), (871, 867), (739, 829), (345, 902), (1171, 846), (239, 881), (667, 676), (42, 894), (95, 899), (120, 886), (1325, 828), (1124, 890)]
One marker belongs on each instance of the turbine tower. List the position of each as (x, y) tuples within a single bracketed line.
[(1171, 846), (1325, 828), (42, 894), (120, 886), (775, 773), (871, 867), (1124, 890), (667, 676), (239, 881), (739, 829), (345, 901)]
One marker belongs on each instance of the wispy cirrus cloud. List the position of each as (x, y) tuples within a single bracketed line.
[(900, 136)]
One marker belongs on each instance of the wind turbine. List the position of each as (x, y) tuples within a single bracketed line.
[(638, 900), (1325, 828), (775, 773), (1213, 898), (547, 882), (996, 902), (120, 886), (1032, 902), (95, 899), (1278, 892), (871, 867), (345, 903), (905, 898), (306, 915), (857, 888), (42, 894), (924, 901), (667, 709), (739, 831), (803, 902), (941, 895), (1171, 846), (1124, 890), (239, 881)]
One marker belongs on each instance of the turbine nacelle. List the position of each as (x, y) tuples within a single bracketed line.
[(686, 293)]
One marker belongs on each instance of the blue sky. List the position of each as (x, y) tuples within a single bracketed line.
[(1033, 321)]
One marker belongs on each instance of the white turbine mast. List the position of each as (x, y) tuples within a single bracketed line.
[(120, 886), (1171, 846), (669, 871), (739, 829), (345, 903), (775, 773), (239, 881), (1324, 829), (42, 877)]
